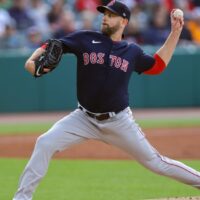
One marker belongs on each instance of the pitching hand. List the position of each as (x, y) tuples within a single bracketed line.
[(177, 23)]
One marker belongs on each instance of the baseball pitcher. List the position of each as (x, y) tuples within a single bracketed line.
[(105, 63)]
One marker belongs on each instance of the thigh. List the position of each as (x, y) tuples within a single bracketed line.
[(72, 129), (126, 134)]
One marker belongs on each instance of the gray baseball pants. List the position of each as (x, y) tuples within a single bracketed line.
[(121, 131)]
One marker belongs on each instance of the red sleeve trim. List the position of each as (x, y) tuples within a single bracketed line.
[(158, 66), (44, 46)]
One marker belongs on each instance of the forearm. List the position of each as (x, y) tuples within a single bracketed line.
[(164, 54), (30, 64), (167, 50)]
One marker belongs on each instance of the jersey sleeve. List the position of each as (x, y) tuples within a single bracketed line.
[(158, 67), (71, 42), (143, 62)]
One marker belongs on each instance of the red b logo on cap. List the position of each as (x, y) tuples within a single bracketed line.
[(111, 3)]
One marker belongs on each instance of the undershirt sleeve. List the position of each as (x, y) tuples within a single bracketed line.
[(158, 66)]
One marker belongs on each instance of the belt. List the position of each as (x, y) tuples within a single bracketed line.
[(98, 116)]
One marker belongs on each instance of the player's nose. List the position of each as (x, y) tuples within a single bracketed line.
[(105, 16), (104, 21)]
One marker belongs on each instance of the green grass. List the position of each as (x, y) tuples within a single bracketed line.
[(163, 123), (23, 128), (32, 128), (94, 180)]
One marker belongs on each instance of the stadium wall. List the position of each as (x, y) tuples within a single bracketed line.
[(178, 86)]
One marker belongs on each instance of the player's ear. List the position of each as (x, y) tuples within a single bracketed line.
[(125, 22)]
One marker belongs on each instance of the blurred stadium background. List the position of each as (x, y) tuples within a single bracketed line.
[(26, 24)]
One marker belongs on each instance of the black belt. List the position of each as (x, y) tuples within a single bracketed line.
[(100, 117)]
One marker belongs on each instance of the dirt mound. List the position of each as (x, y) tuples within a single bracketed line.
[(179, 143)]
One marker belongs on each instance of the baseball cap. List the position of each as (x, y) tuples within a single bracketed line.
[(116, 7)]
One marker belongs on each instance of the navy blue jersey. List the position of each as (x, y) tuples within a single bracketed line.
[(104, 68)]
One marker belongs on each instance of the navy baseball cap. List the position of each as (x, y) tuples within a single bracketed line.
[(116, 7)]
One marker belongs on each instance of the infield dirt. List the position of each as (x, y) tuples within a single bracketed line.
[(178, 143)]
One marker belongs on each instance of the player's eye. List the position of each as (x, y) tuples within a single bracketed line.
[(109, 14)]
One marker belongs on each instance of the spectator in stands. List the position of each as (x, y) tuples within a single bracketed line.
[(19, 13), (4, 20), (150, 5), (169, 4), (194, 26), (133, 32), (159, 28), (185, 6), (196, 3), (34, 38), (137, 24), (131, 3), (87, 20), (67, 24), (11, 39), (54, 15), (81, 5), (38, 10), (185, 37), (59, 17), (5, 4)]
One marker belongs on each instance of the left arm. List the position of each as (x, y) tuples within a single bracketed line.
[(45, 60)]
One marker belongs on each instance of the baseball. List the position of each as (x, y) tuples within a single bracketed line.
[(178, 13)]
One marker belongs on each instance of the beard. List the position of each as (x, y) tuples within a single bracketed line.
[(107, 30)]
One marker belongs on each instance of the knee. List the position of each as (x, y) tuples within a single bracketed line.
[(43, 143)]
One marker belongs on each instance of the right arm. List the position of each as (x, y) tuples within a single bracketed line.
[(163, 56), (166, 51)]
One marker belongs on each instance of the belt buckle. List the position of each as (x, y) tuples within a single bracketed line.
[(102, 117), (99, 115)]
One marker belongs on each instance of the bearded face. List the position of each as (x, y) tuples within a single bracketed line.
[(109, 29), (111, 23)]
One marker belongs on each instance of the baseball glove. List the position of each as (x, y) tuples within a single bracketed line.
[(50, 58)]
